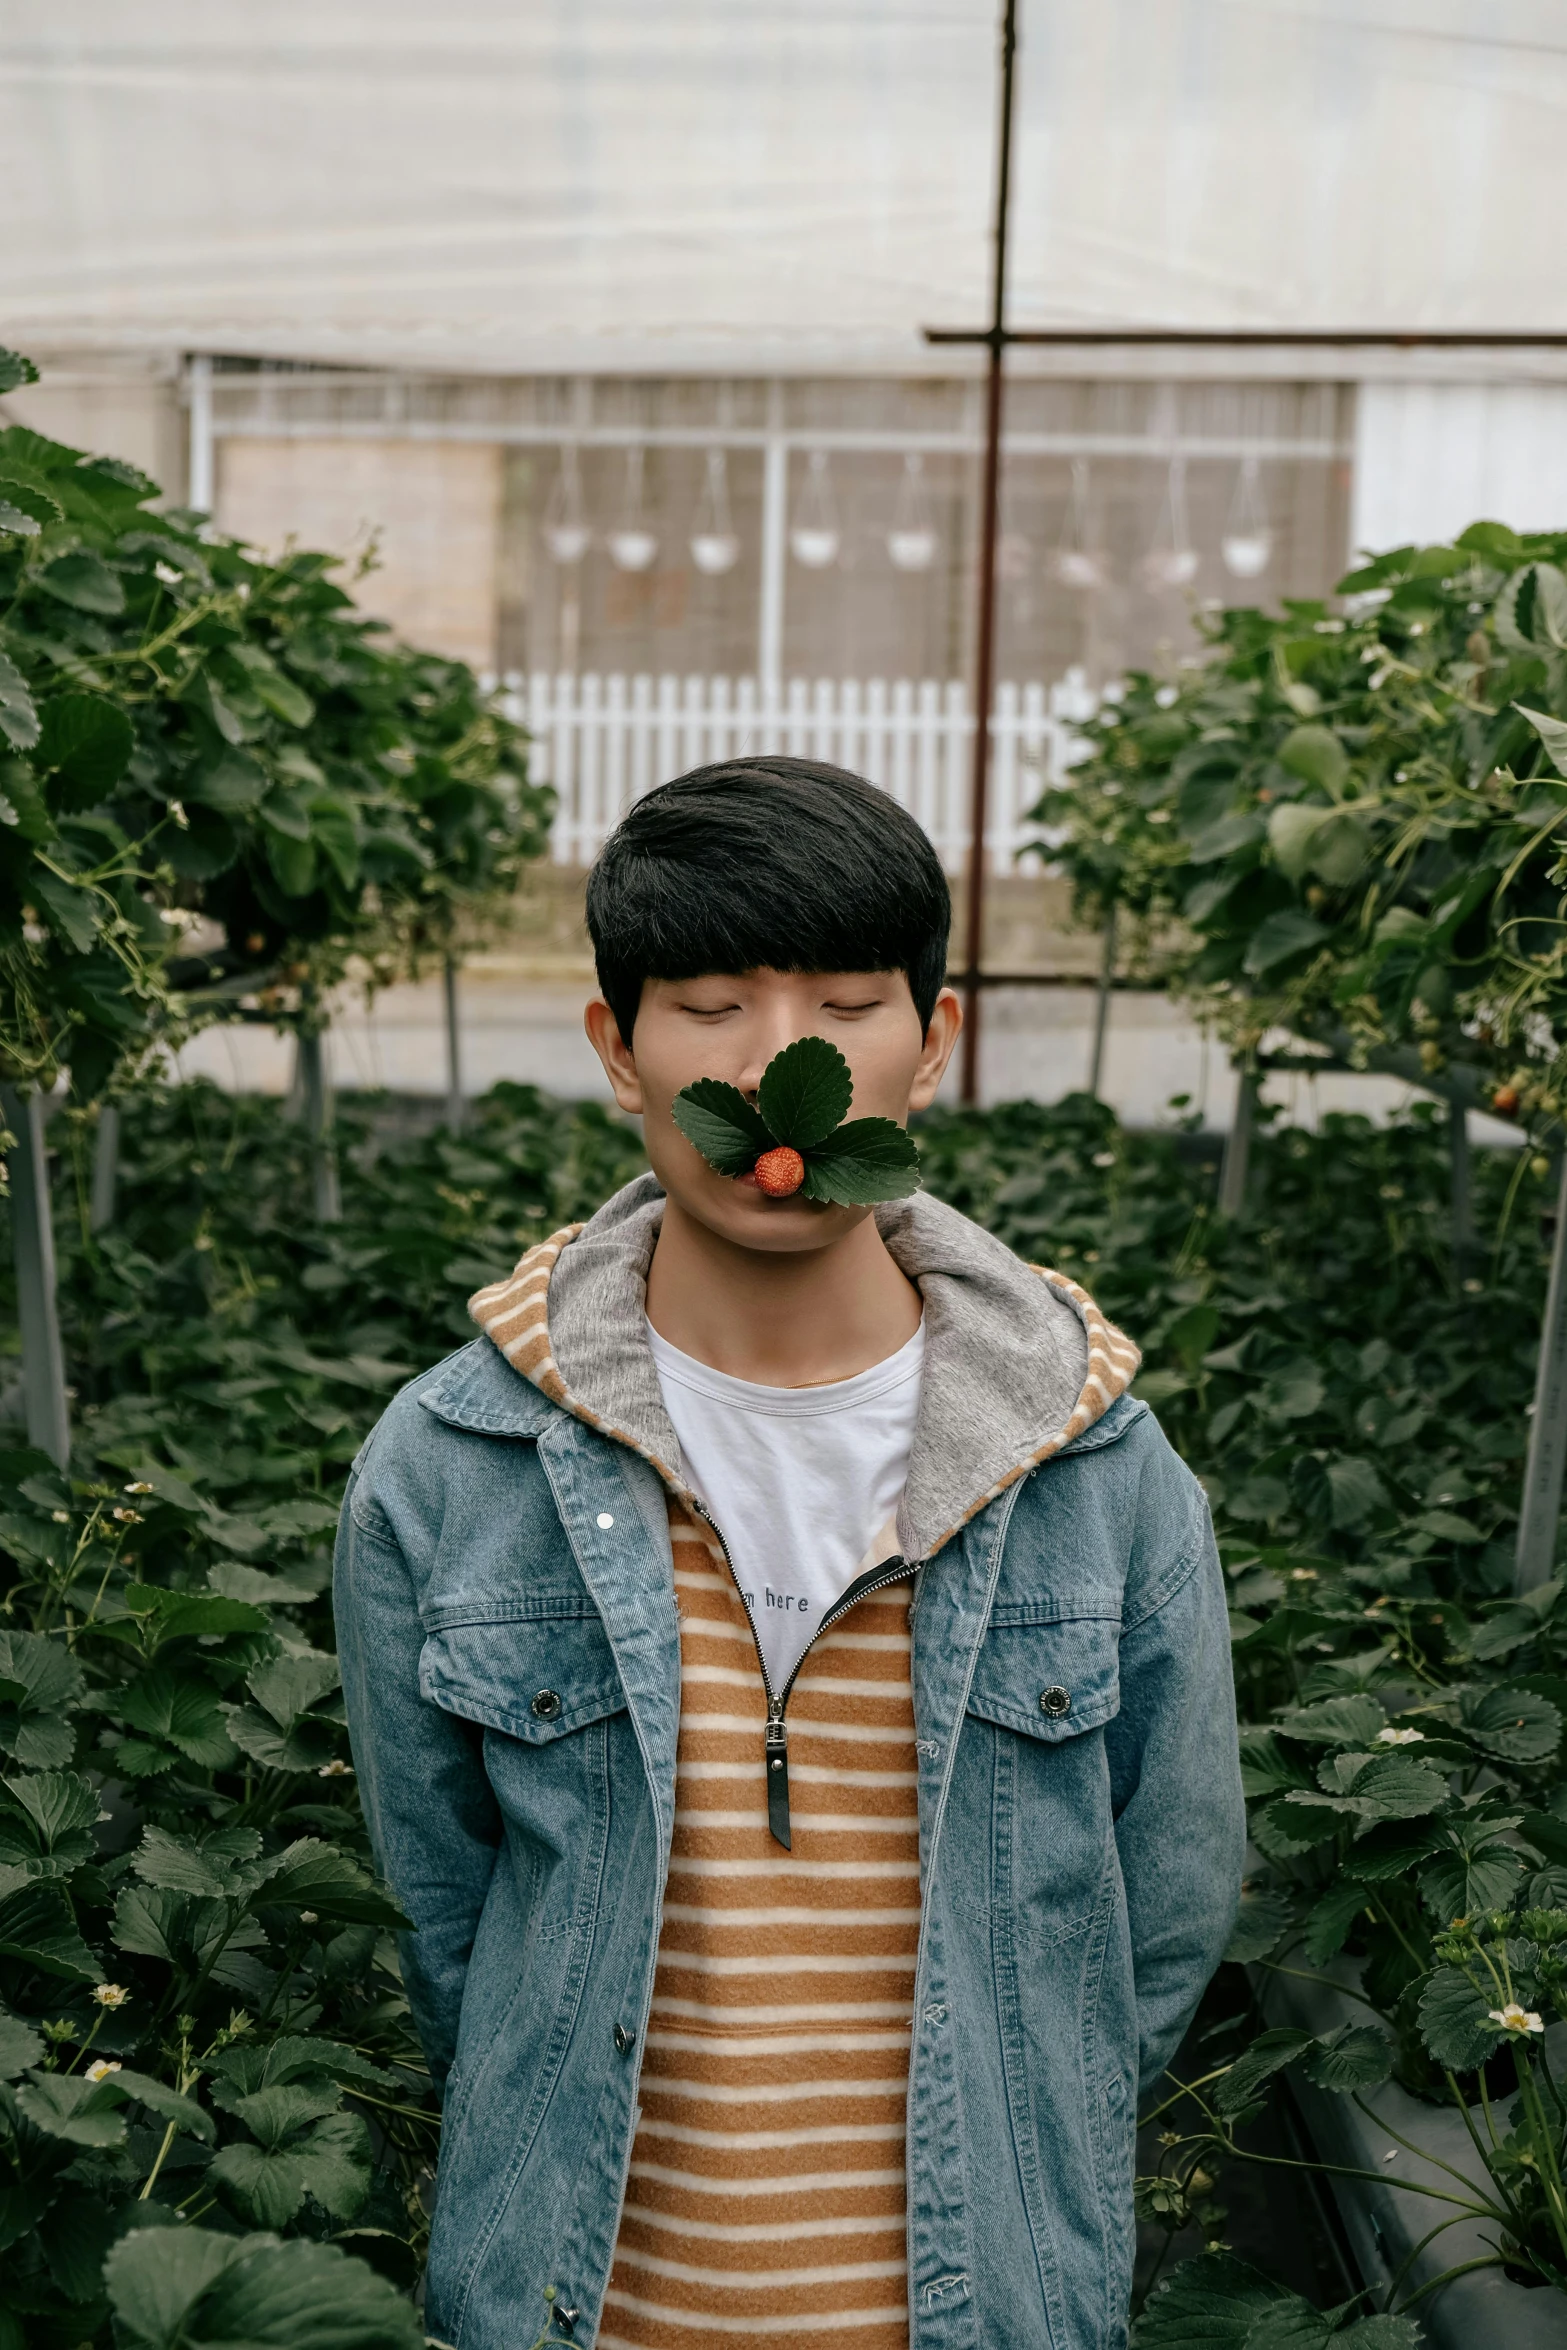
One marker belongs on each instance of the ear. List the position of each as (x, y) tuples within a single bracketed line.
[(945, 1021), (620, 1068)]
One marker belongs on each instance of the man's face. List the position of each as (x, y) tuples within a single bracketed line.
[(730, 1027)]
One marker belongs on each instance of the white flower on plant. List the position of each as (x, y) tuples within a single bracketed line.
[(1399, 1737), (100, 2068), (128, 1517), (309, 1917), (1514, 2018), (335, 1770), (138, 1485), (61, 1517), (110, 1994), (167, 573)]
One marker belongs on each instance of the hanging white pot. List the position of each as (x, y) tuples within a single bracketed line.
[(815, 538), (911, 543), (714, 546), (1075, 563), (632, 550), (566, 532), (1247, 543), (1171, 562), (632, 546)]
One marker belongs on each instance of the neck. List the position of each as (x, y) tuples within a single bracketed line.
[(798, 1319)]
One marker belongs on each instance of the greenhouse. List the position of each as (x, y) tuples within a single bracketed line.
[(783, 1252)]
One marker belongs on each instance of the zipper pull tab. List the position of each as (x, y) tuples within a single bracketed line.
[(777, 1758)]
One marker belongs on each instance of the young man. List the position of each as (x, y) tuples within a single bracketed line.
[(735, 1485)]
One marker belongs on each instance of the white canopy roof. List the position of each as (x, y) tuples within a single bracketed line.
[(764, 184)]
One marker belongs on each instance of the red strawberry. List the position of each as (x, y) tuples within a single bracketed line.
[(780, 1172)]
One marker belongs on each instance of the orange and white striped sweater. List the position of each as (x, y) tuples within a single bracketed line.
[(766, 2194)]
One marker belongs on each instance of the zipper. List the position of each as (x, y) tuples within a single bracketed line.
[(775, 1746)]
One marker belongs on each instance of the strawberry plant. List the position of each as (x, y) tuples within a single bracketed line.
[(1348, 824)]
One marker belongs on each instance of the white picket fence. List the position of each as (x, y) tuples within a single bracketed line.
[(603, 741)]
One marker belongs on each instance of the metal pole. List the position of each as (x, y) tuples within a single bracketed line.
[(989, 516), (32, 1234), (105, 1167), (1102, 1008), (326, 1201), (454, 1092), (1542, 1476), (775, 547), (1463, 1188), (1237, 1143), (202, 472)]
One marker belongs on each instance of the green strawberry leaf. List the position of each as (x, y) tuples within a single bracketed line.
[(805, 1091), (720, 1121), (868, 1160)]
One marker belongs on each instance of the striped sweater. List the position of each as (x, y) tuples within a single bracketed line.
[(765, 2199)]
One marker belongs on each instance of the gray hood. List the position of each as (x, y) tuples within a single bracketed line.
[(1018, 1361)]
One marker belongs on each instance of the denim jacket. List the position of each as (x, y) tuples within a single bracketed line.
[(510, 1653)]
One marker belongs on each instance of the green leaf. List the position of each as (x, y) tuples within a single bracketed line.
[(16, 520), (193, 2290), (39, 1682), (288, 1686), (1268, 2054), (1280, 939), (84, 581), (1355, 1489), (1330, 1921), (1209, 2303), (1454, 2020), (166, 2103), (1316, 755), (67, 2105), (275, 2114), (31, 499), (191, 1615), (1356, 2056), (251, 1585), (311, 1875), (87, 741), (1513, 1724), (1265, 1914), (868, 1160), (60, 1804), (186, 1712), (38, 1926), (20, 2046), (231, 783), (184, 1864), (1335, 1721), (73, 913), (1531, 611), (721, 1123), (18, 713), (804, 1092)]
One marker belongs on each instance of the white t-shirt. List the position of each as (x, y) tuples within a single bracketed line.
[(798, 1480)]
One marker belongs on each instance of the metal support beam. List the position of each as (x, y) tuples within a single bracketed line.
[(1096, 1066), (32, 1234), (201, 483), (1237, 1143), (105, 1167), (1462, 1187), (989, 522), (1542, 1477), (315, 1088), (775, 549), (455, 1104)]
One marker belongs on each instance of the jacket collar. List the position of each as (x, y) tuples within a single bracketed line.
[(1019, 1362)]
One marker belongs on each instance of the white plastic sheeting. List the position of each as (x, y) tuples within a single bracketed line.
[(641, 185)]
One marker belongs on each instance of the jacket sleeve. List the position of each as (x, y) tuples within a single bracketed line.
[(1175, 1766), (433, 1820)]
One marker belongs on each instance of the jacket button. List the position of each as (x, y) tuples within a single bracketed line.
[(625, 2041), (547, 1704), (1054, 1701)]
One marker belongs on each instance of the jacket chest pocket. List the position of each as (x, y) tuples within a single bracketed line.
[(1046, 1689), (537, 1678)]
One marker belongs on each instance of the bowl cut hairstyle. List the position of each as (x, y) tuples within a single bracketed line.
[(766, 864)]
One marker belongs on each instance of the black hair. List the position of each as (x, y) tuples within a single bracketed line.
[(766, 864)]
